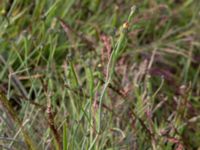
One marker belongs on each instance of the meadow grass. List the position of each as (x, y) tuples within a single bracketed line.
[(100, 75)]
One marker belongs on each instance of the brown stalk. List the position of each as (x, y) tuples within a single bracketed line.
[(51, 123), (149, 133)]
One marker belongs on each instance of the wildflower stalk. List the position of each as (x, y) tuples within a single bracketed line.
[(111, 65), (121, 42), (113, 58)]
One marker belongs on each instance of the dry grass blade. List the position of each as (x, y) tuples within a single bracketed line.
[(72, 35), (16, 82), (69, 32), (4, 101)]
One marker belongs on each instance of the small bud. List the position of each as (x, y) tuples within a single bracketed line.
[(116, 8), (100, 65), (126, 25), (3, 12)]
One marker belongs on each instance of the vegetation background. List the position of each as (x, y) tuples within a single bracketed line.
[(100, 75)]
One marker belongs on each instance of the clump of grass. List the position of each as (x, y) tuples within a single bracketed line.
[(133, 88)]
